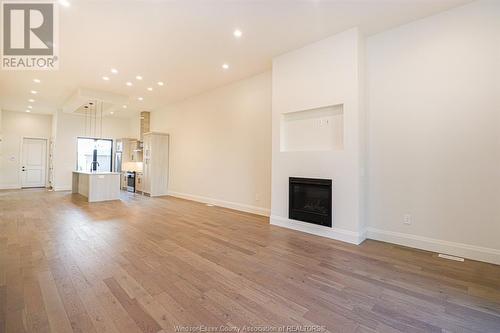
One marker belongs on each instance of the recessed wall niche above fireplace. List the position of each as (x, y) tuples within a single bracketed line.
[(310, 200)]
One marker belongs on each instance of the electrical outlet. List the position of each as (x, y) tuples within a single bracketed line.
[(323, 122), (257, 197), (407, 219)]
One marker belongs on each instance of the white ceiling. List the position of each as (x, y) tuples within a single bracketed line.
[(185, 42)]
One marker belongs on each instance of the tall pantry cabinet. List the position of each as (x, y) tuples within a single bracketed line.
[(155, 159)]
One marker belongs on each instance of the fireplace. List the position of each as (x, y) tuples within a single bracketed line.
[(310, 200)]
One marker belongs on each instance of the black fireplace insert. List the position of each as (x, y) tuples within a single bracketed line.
[(310, 200)]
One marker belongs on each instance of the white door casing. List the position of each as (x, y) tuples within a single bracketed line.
[(34, 163)]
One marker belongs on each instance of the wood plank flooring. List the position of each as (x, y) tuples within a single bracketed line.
[(165, 264)]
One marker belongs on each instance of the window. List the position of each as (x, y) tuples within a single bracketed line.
[(94, 154)]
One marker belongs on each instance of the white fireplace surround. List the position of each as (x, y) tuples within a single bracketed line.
[(316, 90)]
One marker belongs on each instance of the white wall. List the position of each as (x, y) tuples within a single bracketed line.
[(434, 132), (1, 142), (318, 75), (68, 128), (15, 126), (220, 145), (135, 126)]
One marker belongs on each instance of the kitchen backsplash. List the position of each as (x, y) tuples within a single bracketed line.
[(132, 166)]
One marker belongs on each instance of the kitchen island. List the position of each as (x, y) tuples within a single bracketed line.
[(97, 186)]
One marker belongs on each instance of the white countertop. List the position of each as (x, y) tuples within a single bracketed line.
[(97, 173)]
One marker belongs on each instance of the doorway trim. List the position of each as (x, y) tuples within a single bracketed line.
[(47, 141)]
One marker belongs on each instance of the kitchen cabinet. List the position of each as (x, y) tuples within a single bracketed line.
[(130, 149), (124, 181), (97, 186), (155, 173), (119, 146), (139, 179)]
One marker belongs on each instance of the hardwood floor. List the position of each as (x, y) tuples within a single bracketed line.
[(148, 265)]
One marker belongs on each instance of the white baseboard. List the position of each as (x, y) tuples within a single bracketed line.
[(10, 187), (222, 203), (62, 188), (334, 233), (436, 245)]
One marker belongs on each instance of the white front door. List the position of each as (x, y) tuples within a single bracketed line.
[(34, 163)]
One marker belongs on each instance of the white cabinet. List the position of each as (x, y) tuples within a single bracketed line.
[(124, 181), (119, 146), (138, 182), (155, 174), (130, 149)]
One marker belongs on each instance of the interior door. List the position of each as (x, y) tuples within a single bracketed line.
[(34, 163)]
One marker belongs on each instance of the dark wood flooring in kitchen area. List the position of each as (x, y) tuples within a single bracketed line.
[(151, 265)]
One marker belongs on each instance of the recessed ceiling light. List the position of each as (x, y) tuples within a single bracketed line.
[(30, 107), (237, 33), (36, 80), (28, 111), (31, 100), (138, 77), (150, 89), (34, 92), (105, 78), (114, 71), (64, 3), (160, 83), (112, 112), (129, 84), (124, 106), (140, 98), (225, 66)]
